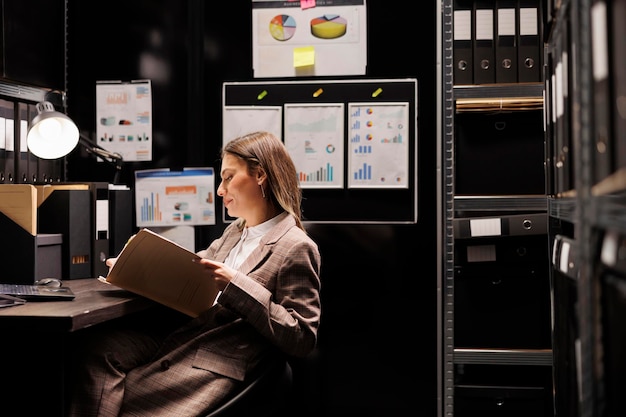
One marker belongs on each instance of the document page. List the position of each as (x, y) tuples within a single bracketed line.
[(161, 270)]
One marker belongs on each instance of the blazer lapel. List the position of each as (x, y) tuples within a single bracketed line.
[(266, 244), (230, 241)]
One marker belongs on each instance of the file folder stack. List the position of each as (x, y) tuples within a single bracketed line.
[(497, 42)]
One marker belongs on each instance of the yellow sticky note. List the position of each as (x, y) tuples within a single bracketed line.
[(303, 57)]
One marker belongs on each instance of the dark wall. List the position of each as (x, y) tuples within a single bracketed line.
[(377, 350)]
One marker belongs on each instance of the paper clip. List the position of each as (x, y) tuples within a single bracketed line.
[(377, 92), (261, 95), (318, 92)]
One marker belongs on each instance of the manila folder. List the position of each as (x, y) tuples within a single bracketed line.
[(161, 270)]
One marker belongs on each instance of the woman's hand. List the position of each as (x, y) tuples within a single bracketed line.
[(221, 273), (110, 262)]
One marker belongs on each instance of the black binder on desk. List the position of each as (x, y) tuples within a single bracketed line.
[(120, 219), (484, 52), (100, 227), (3, 151), (506, 41), (68, 211), (7, 111), (462, 44), (34, 175), (22, 170), (529, 43)]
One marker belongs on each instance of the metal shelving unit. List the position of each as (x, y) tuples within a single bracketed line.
[(477, 99), (588, 221)]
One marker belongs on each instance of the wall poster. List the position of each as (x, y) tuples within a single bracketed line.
[(314, 139), (124, 118), (175, 198), (378, 143), (290, 39)]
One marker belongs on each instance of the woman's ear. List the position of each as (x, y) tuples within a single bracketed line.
[(260, 176)]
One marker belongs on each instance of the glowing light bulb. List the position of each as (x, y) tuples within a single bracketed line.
[(50, 128)]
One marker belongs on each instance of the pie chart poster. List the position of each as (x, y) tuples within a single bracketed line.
[(289, 41)]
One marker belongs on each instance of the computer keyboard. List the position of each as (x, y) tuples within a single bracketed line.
[(24, 289)]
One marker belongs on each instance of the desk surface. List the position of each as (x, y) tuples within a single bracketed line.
[(95, 302)]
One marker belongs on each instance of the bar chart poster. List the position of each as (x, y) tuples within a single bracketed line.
[(378, 135), (314, 137), (175, 198)]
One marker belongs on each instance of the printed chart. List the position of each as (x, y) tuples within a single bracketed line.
[(329, 26), (378, 145), (291, 41), (314, 139), (282, 27), (172, 198)]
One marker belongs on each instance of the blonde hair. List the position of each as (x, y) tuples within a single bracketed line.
[(264, 151)]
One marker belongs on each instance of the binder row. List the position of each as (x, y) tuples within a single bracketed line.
[(608, 113), (608, 49), (17, 164), (560, 178), (497, 41)]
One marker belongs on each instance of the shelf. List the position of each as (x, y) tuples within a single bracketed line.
[(540, 357), (500, 203), (527, 91), (505, 97), (563, 208), (24, 93), (499, 104)]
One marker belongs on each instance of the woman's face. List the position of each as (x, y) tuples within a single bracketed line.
[(239, 190)]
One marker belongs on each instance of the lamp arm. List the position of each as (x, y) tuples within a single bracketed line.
[(112, 158)]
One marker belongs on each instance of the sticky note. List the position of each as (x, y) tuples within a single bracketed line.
[(304, 56)]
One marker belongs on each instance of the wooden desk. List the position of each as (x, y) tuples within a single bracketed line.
[(96, 302), (35, 345)]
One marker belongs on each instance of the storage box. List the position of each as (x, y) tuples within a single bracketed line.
[(26, 258), (49, 256)]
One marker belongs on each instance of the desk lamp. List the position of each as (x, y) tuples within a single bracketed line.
[(53, 135)]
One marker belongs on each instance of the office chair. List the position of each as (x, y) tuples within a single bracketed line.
[(267, 395)]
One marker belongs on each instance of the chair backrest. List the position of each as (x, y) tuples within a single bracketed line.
[(265, 396)]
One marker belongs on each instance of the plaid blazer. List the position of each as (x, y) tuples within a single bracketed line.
[(271, 306)]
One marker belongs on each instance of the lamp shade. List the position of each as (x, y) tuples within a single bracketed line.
[(52, 134)]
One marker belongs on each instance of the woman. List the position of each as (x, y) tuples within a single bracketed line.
[(267, 269)]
